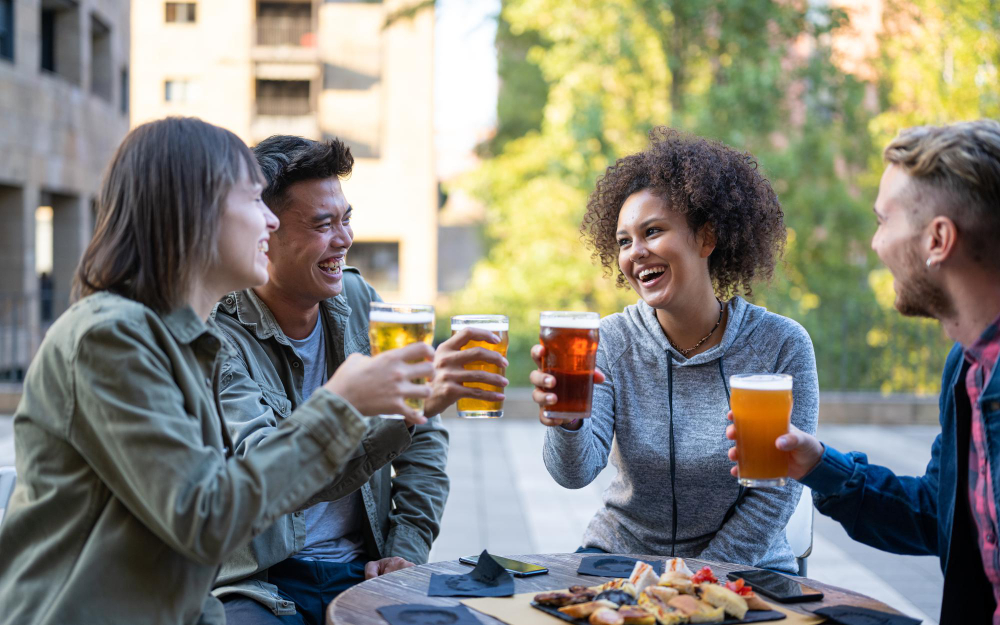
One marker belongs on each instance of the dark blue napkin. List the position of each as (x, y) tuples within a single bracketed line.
[(418, 614), (613, 566), (488, 579), (850, 615)]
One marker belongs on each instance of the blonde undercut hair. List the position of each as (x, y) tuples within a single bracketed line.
[(956, 170)]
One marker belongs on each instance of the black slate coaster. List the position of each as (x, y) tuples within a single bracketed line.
[(850, 615), (488, 579), (753, 616), (613, 566), (417, 614)]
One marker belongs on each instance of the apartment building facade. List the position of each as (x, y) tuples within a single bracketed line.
[(64, 74), (360, 71)]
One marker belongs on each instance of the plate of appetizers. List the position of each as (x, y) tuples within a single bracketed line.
[(645, 598)]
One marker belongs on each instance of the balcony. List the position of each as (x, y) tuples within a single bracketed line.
[(285, 32)]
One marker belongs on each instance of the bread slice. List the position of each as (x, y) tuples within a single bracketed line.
[(662, 593), (583, 610), (664, 614), (722, 597), (708, 614), (677, 565), (680, 581), (634, 615), (642, 577), (606, 616)]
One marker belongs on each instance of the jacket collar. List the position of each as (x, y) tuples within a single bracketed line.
[(184, 324), (253, 314)]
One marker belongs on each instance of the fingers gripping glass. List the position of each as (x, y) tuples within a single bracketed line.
[(471, 408), (762, 409), (392, 326)]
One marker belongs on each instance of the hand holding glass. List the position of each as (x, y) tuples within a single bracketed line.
[(391, 326), (470, 408), (570, 342)]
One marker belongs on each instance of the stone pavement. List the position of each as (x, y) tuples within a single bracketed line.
[(502, 499)]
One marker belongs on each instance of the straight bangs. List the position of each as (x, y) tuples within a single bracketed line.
[(159, 210)]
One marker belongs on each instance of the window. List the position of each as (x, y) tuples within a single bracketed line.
[(378, 262), (179, 90), (284, 24), (101, 74), (7, 29), (283, 97), (181, 13), (123, 99), (49, 40)]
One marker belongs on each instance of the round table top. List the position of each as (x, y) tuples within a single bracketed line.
[(357, 605)]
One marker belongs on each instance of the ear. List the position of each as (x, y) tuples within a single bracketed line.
[(706, 240), (940, 238)]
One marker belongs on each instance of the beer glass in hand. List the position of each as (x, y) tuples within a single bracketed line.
[(570, 342), (468, 407), (391, 326), (762, 409)]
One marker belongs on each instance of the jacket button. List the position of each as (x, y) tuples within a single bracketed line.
[(995, 405), (230, 301), (295, 364), (392, 455)]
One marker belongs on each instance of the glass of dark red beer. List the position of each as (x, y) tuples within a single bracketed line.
[(570, 342)]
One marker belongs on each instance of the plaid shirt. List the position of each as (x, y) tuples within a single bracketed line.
[(982, 357)]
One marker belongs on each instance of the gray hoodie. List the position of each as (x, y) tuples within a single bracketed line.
[(647, 380)]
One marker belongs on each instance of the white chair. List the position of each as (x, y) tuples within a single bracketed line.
[(8, 477), (799, 530)]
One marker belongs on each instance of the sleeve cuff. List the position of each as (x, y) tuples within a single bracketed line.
[(333, 423), (832, 473), (407, 543)]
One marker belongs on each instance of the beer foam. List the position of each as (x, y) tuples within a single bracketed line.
[(762, 382), (589, 322), (493, 326), (393, 316)]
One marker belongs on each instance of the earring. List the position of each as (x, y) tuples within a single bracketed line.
[(931, 266)]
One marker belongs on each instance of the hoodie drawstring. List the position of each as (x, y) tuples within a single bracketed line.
[(673, 461)]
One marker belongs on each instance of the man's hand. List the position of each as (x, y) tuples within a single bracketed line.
[(450, 374), (805, 451), (385, 565), (541, 395), (379, 385)]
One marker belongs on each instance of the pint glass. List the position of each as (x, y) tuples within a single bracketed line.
[(762, 409), (570, 342), (391, 326), (469, 408)]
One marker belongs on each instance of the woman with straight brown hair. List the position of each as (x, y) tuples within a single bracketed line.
[(128, 495)]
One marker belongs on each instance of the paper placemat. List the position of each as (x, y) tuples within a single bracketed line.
[(517, 610)]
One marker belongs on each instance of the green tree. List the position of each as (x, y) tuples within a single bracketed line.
[(757, 75)]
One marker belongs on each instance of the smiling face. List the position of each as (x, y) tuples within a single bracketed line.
[(245, 227), (307, 252), (899, 242), (658, 254)]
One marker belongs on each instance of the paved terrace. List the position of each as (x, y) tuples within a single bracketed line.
[(502, 499)]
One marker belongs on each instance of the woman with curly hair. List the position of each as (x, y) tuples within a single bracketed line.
[(688, 224)]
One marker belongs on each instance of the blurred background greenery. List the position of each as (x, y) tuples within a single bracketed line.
[(583, 82)]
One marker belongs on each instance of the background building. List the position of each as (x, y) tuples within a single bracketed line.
[(64, 76), (360, 71)]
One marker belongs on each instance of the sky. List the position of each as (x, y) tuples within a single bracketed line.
[(465, 80)]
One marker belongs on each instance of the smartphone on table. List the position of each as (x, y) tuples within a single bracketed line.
[(514, 567), (777, 586)]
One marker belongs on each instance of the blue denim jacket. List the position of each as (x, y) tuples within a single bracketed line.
[(919, 515)]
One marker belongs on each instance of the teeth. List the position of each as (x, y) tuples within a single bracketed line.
[(262, 246), (330, 266), (649, 272)]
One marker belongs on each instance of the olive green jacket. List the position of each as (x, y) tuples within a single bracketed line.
[(262, 386), (129, 495)]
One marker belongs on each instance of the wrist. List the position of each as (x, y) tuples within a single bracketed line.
[(573, 425)]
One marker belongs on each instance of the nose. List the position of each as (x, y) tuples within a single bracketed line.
[(270, 219), (638, 252)]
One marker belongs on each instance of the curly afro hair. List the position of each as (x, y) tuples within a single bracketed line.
[(710, 183)]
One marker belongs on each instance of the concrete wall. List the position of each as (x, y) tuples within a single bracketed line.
[(57, 133)]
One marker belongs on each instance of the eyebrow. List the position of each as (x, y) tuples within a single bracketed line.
[(329, 216), (643, 224)]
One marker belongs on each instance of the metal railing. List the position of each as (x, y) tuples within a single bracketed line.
[(15, 336), (283, 97), (288, 29)]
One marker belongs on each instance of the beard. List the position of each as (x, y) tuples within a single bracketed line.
[(917, 294)]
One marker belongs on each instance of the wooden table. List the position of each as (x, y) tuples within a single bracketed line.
[(357, 605)]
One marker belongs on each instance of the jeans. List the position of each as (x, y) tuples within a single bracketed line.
[(311, 585)]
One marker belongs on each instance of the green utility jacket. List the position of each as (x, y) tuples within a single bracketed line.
[(262, 386), (129, 496)]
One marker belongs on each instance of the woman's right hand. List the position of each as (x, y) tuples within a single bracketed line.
[(380, 384), (543, 395)]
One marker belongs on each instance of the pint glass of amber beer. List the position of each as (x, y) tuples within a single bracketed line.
[(469, 408), (391, 326), (762, 409), (570, 342)]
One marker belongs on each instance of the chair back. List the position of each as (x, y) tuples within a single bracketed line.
[(799, 530), (8, 477)]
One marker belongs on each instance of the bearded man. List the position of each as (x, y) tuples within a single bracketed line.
[(938, 211)]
